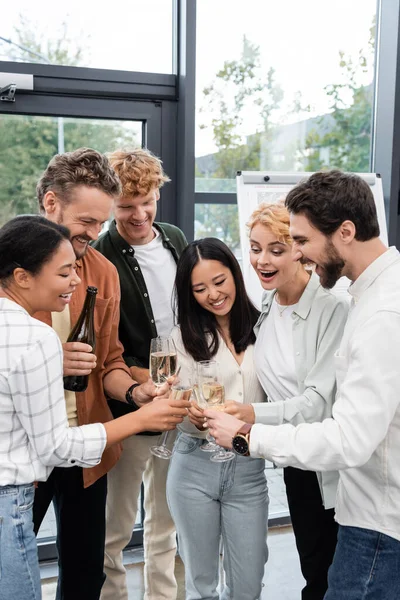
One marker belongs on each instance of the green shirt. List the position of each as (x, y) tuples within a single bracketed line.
[(137, 324)]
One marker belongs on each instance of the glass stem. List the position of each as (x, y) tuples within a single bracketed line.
[(163, 439)]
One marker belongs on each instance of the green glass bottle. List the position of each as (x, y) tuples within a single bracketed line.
[(83, 331)]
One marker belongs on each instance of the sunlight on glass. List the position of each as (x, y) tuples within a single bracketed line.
[(280, 93), (28, 143), (130, 36)]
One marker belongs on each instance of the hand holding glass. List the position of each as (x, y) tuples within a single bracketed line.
[(213, 393), (163, 365)]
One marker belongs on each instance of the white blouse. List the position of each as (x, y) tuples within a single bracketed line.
[(240, 381)]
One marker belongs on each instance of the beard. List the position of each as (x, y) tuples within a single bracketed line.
[(79, 248), (332, 267)]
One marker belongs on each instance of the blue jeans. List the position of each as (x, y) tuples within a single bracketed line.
[(209, 500), (19, 566), (366, 566)]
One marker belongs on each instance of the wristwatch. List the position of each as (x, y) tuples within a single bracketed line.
[(129, 396), (241, 440)]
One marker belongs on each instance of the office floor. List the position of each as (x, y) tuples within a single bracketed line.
[(282, 580)]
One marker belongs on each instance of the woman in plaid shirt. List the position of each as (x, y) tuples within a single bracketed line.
[(37, 272)]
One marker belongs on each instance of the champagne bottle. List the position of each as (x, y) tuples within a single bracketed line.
[(83, 331)]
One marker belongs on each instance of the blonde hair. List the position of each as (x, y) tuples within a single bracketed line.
[(275, 217), (138, 170)]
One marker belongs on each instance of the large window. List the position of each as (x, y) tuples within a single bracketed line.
[(27, 143), (220, 221), (131, 35), (283, 86)]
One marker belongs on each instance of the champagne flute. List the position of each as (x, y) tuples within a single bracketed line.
[(163, 359), (211, 446), (163, 364), (213, 392)]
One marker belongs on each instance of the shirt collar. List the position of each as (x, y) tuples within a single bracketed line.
[(305, 302), (123, 245), (9, 304), (368, 276)]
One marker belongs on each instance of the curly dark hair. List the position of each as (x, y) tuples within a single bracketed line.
[(328, 198), (81, 167)]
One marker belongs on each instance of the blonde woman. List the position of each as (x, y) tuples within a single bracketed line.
[(298, 331)]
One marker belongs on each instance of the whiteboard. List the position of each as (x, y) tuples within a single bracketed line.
[(254, 187)]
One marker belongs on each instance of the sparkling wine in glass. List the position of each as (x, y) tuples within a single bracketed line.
[(163, 365), (163, 359), (213, 392)]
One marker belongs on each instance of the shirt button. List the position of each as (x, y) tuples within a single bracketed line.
[(72, 461), (239, 372), (130, 250), (136, 268), (124, 251), (152, 320), (145, 295), (240, 394), (297, 353)]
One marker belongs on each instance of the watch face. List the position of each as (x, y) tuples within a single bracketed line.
[(240, 445)]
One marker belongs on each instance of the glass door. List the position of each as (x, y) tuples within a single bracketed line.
[(28, 140), (27, 143)]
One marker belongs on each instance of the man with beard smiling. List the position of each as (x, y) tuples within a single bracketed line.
[(77, 190), (334, 224)]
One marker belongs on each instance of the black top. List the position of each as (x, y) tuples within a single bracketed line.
[(137, 325)]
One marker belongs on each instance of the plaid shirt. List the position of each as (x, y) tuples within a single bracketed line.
[(34, 433)]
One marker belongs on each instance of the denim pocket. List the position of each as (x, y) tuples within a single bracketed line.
[(186, 444), (27, 498)]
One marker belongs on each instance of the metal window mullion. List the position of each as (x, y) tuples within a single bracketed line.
[(215, 198)]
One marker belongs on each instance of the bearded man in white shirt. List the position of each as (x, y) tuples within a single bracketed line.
[(334, 224)]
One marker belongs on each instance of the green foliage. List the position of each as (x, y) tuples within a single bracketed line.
[(349, 139), (342, 139), (32, 45), (27, 143), (238, 87), (220, 221)]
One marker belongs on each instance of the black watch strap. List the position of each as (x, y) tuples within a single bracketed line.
[(129, 396)]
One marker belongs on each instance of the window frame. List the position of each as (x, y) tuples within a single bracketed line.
[(167, 104)]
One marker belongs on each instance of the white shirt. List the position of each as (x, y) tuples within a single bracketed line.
[(240, 381), (363, 437), (61, 323), (317, 326), (34, 432), (158, 268), (274, 354)]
